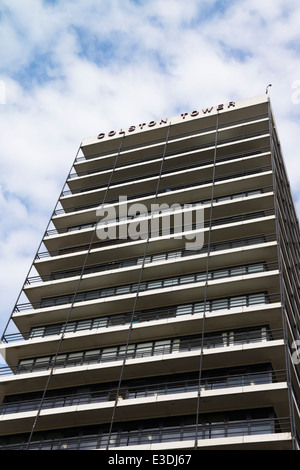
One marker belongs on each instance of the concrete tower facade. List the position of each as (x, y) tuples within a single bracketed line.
[(161, 310)]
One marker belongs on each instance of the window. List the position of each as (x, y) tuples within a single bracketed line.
[(144, 349), (92, 356), (184, 309), (84, 325), (42, 363), (162, 347), (219, 304), (109, 354), (25, 365), (38, 331), (128, 351)]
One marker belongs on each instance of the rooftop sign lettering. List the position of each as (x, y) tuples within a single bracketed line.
[(152, 124)]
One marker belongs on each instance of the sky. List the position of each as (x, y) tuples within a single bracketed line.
[(70, 69)]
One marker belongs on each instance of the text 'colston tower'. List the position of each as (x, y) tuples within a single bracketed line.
[(161, 310)]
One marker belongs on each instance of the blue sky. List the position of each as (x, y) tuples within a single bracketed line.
[(72, 68)]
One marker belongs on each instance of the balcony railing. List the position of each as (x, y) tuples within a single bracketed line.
[(165, 171), (224, 177), (160, 435), (150, 390), (171, 230), (238, 122), (103, 243), (158, 158), (142, 350), (142, 316), (147, 285), (164, 256), (92, 205)]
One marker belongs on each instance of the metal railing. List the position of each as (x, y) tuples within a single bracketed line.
[(137, 350), (147, 285), (117, 320), (93, 205), (163, 256), (248, 120), (92, 225), (150, 390), (172, 187), (103, 243), (161, 434), (157, 159)]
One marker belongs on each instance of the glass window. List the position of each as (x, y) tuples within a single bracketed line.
[(150, 436), (74, 358), (42, 363), (170, 282), (130, 262), (154, 284), (238, 271), (100, 322), (171, 434), (25, 365), (221, 273), (174, 254), (107, 292), (160, 257), (238, 301), (187, 279), (70, 327), (162, 347), (47, 303), (219, 304), (257, 299), (60, 360), (136, 287), (184, 309), (92, 356), (35, 332), (239, 428), (199, 307), (256, 268), (144, 349), (87, 444), (92, 295), (129, 351), (122, 290), (109, 354), (262, 427), (84, 325)]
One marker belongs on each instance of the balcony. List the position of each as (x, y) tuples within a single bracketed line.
[(157, 265), (244, 310), (153, 149), (226, 280), (70, 239), (265, 433), (141, 188), (263, 241), (147, 401), (198, 155), (174, 348)]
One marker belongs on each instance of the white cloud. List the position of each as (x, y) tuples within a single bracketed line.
[(74, 68)]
